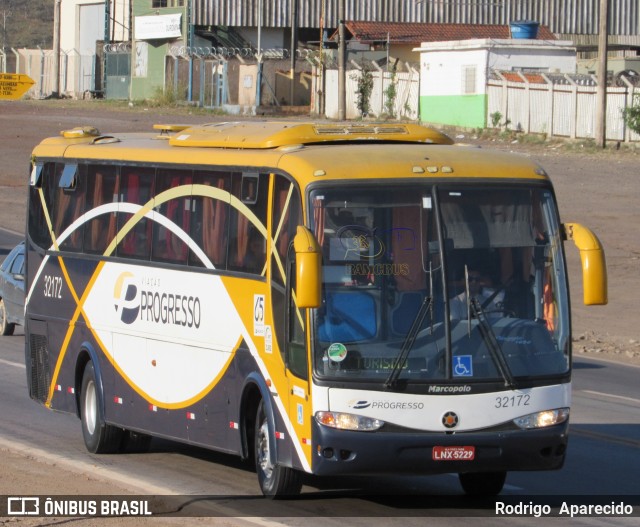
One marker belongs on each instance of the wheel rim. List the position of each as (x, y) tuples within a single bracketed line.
[(264, 457), (3, 315), (90, 408)]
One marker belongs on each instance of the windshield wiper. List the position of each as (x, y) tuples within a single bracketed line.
[(491, 341), (408, 342)]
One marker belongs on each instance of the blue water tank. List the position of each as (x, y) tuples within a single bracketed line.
[(524, 29)]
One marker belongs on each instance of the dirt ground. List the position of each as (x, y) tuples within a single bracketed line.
[(597, 188)]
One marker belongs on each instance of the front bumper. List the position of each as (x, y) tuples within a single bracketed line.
[(340, 452)]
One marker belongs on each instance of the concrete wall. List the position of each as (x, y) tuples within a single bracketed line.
[(453, 75), (149, 56)]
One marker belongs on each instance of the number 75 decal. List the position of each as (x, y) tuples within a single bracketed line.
[(258, 315)]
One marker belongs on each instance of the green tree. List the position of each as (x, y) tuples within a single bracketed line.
[(631, 114), (390, 95), (363, 91)]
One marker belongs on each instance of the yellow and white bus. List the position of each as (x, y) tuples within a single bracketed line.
[(322, 298)]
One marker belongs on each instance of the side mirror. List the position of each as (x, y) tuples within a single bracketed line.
[(308, 269), (594, 266)]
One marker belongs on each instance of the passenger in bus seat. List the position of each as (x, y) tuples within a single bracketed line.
[(254, 258)]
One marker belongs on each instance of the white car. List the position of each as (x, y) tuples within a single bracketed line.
[(12, 290)]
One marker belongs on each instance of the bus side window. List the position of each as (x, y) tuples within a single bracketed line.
[(136, 189), (169, 244), (296, 349), (247, 245), (286, 217), (69, 206), (102, 191), (38, 223), (210, 217)]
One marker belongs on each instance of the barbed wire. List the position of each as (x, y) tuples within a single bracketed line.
[(223, 52), (117, 47)]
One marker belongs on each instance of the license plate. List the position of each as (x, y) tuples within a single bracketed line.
[(453, 453)]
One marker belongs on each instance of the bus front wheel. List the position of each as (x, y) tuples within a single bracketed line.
[(482, 483), (99, 437), (275, 481)]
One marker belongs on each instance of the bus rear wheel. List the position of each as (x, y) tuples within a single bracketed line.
[(99, 437), (275, 481), (482, 483)]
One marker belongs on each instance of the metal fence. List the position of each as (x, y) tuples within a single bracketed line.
[(77, 71), (228, 77), (559, 105)]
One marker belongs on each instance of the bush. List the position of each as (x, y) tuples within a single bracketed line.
[(631, 115), (363, 90)]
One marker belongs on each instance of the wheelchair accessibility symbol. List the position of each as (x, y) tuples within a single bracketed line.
[(463, 366)]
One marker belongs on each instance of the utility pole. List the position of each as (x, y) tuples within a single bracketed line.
[(106, 42), (5, 14), (259, 56), (294, 47), (342, 73), (56, 49), (601, 103)]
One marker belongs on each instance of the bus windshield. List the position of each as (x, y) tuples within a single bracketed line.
[(443, 282)]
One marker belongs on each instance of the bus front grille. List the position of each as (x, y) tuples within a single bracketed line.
[(40, 373)]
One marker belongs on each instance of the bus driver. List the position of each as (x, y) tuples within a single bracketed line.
[(479, 288)]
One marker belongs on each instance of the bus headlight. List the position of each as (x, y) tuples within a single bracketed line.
[(543, 419), (348, 421)]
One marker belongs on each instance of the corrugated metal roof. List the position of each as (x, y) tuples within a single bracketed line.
[(417, 33), (561, 16)]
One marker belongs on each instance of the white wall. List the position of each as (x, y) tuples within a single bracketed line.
[(442, 71), (442, 63), (73, 33), (70, 22)]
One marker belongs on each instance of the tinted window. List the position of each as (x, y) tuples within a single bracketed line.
[(134, 228), (210, 218), (69, 206), (247, 241), (102, 196), (171, 228)]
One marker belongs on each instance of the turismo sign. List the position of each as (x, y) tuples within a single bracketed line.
[(14, 85)]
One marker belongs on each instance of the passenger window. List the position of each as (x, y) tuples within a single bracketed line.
[(136, 191), (170, 237), (247, 244), (210, 218), (69, 206), (102, 197)]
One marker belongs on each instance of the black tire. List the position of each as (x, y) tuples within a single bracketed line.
[(6, 328), (482, 483), (99, 437), (275, 481), (135, 442)]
